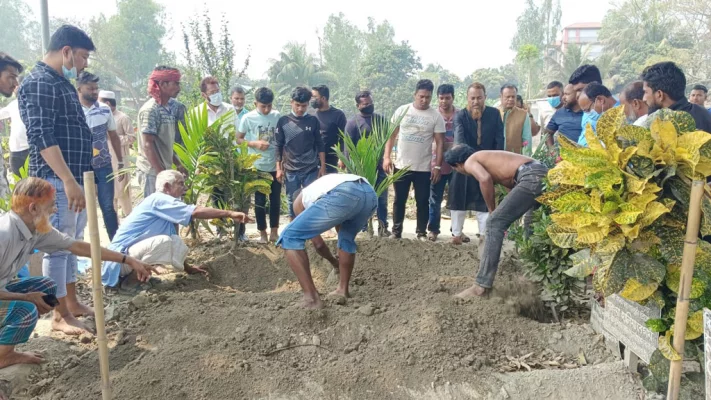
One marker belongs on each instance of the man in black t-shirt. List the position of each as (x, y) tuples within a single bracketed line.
[(333, 122), (300, 157)]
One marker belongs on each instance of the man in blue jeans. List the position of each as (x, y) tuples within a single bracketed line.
[(343, 201), (60, 152), (445, 95), (300, 153), (522, 175), (103, 128)]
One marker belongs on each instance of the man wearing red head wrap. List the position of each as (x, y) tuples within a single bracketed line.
[(157, 127)]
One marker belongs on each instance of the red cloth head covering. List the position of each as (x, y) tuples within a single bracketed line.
[(165, 75)]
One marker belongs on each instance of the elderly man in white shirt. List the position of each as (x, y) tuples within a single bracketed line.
[(636, 109), (24, 228)]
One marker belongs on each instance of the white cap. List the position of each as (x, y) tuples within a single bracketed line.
[(106, 94)]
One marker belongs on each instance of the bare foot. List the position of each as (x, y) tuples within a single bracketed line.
[(474, 290), (311, 304), (340, 293), (262, 237), (69, 325), (17, 357), (274, 235), (457, 240), (80, 310)]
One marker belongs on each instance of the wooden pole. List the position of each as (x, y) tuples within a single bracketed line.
[(687, 272), (93, 222)]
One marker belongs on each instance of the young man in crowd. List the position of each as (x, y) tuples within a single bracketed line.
[(237, 98), (300, 154), (481, 128), (157, 125), (567, 120), (594, 101), (124, 129), (361, 125), (103, 131), (522, 175), (10, 69), (332, 122), (632, 98), (149, 233), (60, 152), (257, 128), (445, 95), (25, 228), (419, 126), (554, 96), (698, 95), (342, 201), (664, 85), (580, 78), (517, 124)]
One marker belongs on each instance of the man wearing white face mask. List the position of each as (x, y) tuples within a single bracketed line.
[(216, 107)]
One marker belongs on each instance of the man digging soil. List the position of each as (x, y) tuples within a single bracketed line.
[(343, 201), (522, 175)]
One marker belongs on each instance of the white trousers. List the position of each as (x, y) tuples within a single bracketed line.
[(458, 218), (159, 250)]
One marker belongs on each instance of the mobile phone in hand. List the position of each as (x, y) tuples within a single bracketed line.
[(51, 300)]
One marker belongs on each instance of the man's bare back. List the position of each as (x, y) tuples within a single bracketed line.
[(501, 165)]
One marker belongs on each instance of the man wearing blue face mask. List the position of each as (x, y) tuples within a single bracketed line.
[(60, 152), (594, 100)]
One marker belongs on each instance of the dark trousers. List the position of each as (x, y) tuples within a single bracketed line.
[(436, 195), (421, 182), (274, 209), (331, 163), (105, 193), (17, 160)]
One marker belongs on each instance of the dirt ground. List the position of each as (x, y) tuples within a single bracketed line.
[(239, 335)]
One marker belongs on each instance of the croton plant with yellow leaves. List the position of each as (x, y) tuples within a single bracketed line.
[(622, 203)]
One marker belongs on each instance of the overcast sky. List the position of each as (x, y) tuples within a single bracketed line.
[(462, 38)]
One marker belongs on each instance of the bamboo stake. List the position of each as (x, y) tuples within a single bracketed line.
[(93, 222), (687, 271)]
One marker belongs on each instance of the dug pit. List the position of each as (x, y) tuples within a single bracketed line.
[(239, 335)]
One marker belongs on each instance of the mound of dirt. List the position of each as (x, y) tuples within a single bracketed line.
[(402, 335)]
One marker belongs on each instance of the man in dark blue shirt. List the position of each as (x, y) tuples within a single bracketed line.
[(60, 152), (567, 120)]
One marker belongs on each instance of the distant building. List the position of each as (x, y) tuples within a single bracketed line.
[(581, 34)]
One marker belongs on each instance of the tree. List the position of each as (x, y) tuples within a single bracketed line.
[(128, 46), (573, 57), (440, 75), (388, 68), (19, 34), (297, 67), (538, 26), (342, 48), (208, 55), (494, 78)]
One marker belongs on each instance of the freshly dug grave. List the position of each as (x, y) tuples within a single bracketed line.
[(402, 336)]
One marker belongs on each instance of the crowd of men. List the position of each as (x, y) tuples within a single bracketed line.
[(64, 126)]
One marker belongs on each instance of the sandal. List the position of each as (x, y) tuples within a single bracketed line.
[(432, 236)]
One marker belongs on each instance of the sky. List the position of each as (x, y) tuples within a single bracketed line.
[(462, 38)]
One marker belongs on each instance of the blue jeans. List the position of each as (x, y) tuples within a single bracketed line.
[(105, 191), (350, 205), (61, 266), (436, 194), (296, 180)]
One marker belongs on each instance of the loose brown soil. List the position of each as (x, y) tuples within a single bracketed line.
[(239, 335)]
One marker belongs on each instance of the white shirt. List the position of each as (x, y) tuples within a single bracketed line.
[(18, 132), (417, 132), (223, 109), (641, 121), (323, 185)]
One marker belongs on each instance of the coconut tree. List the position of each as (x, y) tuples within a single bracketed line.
[(297, 67)]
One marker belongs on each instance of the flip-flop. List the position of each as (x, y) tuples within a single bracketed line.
[(432, 236)]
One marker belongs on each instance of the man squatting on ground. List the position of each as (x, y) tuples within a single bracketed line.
[(24, 228), (149, 232), (522, 175), (343, 201)]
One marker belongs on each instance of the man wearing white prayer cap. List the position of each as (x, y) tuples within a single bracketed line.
[(124, 128)]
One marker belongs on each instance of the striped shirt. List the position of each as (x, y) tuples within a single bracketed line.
[(53, 116), (100, 121)]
